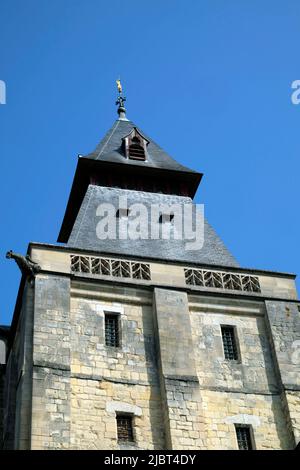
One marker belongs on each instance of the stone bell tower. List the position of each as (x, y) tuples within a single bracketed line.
[(136, 342)]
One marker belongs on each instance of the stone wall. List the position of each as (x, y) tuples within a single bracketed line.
[(76, 376), (171, 275), (254, 369), (169, 373), (50, 427), (283, 320), (223, 409), (18, 379), (4, 331), (102, 376), (94, 407), (2, 381), (24, 361), (246, 391), (181, 396)]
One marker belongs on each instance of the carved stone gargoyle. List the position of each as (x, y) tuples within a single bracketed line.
[(27, 266)]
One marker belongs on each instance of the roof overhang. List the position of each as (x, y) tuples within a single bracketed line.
[(87, 167)]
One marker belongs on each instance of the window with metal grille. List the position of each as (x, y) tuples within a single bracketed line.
[(243, 435), (124, 428), (229, 343), (112, 333)]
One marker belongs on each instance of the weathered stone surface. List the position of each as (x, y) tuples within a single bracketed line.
[(169, 372), (283, 320), (178, 375), (222, 410), (51, 364), (174, 333)]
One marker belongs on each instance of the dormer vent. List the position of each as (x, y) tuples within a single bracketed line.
[(136, 146)]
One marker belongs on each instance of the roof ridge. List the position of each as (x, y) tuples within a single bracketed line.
[(110, 136)]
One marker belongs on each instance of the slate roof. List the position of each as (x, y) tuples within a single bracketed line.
[(80, 221), (110, 149), (84, 233)]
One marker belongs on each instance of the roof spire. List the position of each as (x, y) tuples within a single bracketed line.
[(120, 101)]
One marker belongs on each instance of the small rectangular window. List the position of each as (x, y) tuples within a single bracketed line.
[(122, 213), (124, 428), (243, 435), (229, 343), (166, 218), (112, 333)]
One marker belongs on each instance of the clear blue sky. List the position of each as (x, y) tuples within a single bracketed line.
[(209, 80)]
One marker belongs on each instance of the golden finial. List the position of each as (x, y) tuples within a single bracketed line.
[(118, 82)]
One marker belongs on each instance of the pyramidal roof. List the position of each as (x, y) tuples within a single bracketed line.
[(109, 158), (110, 149), (107, 173)]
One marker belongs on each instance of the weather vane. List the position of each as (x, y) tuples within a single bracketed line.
[(119, 85), (121, 100)]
